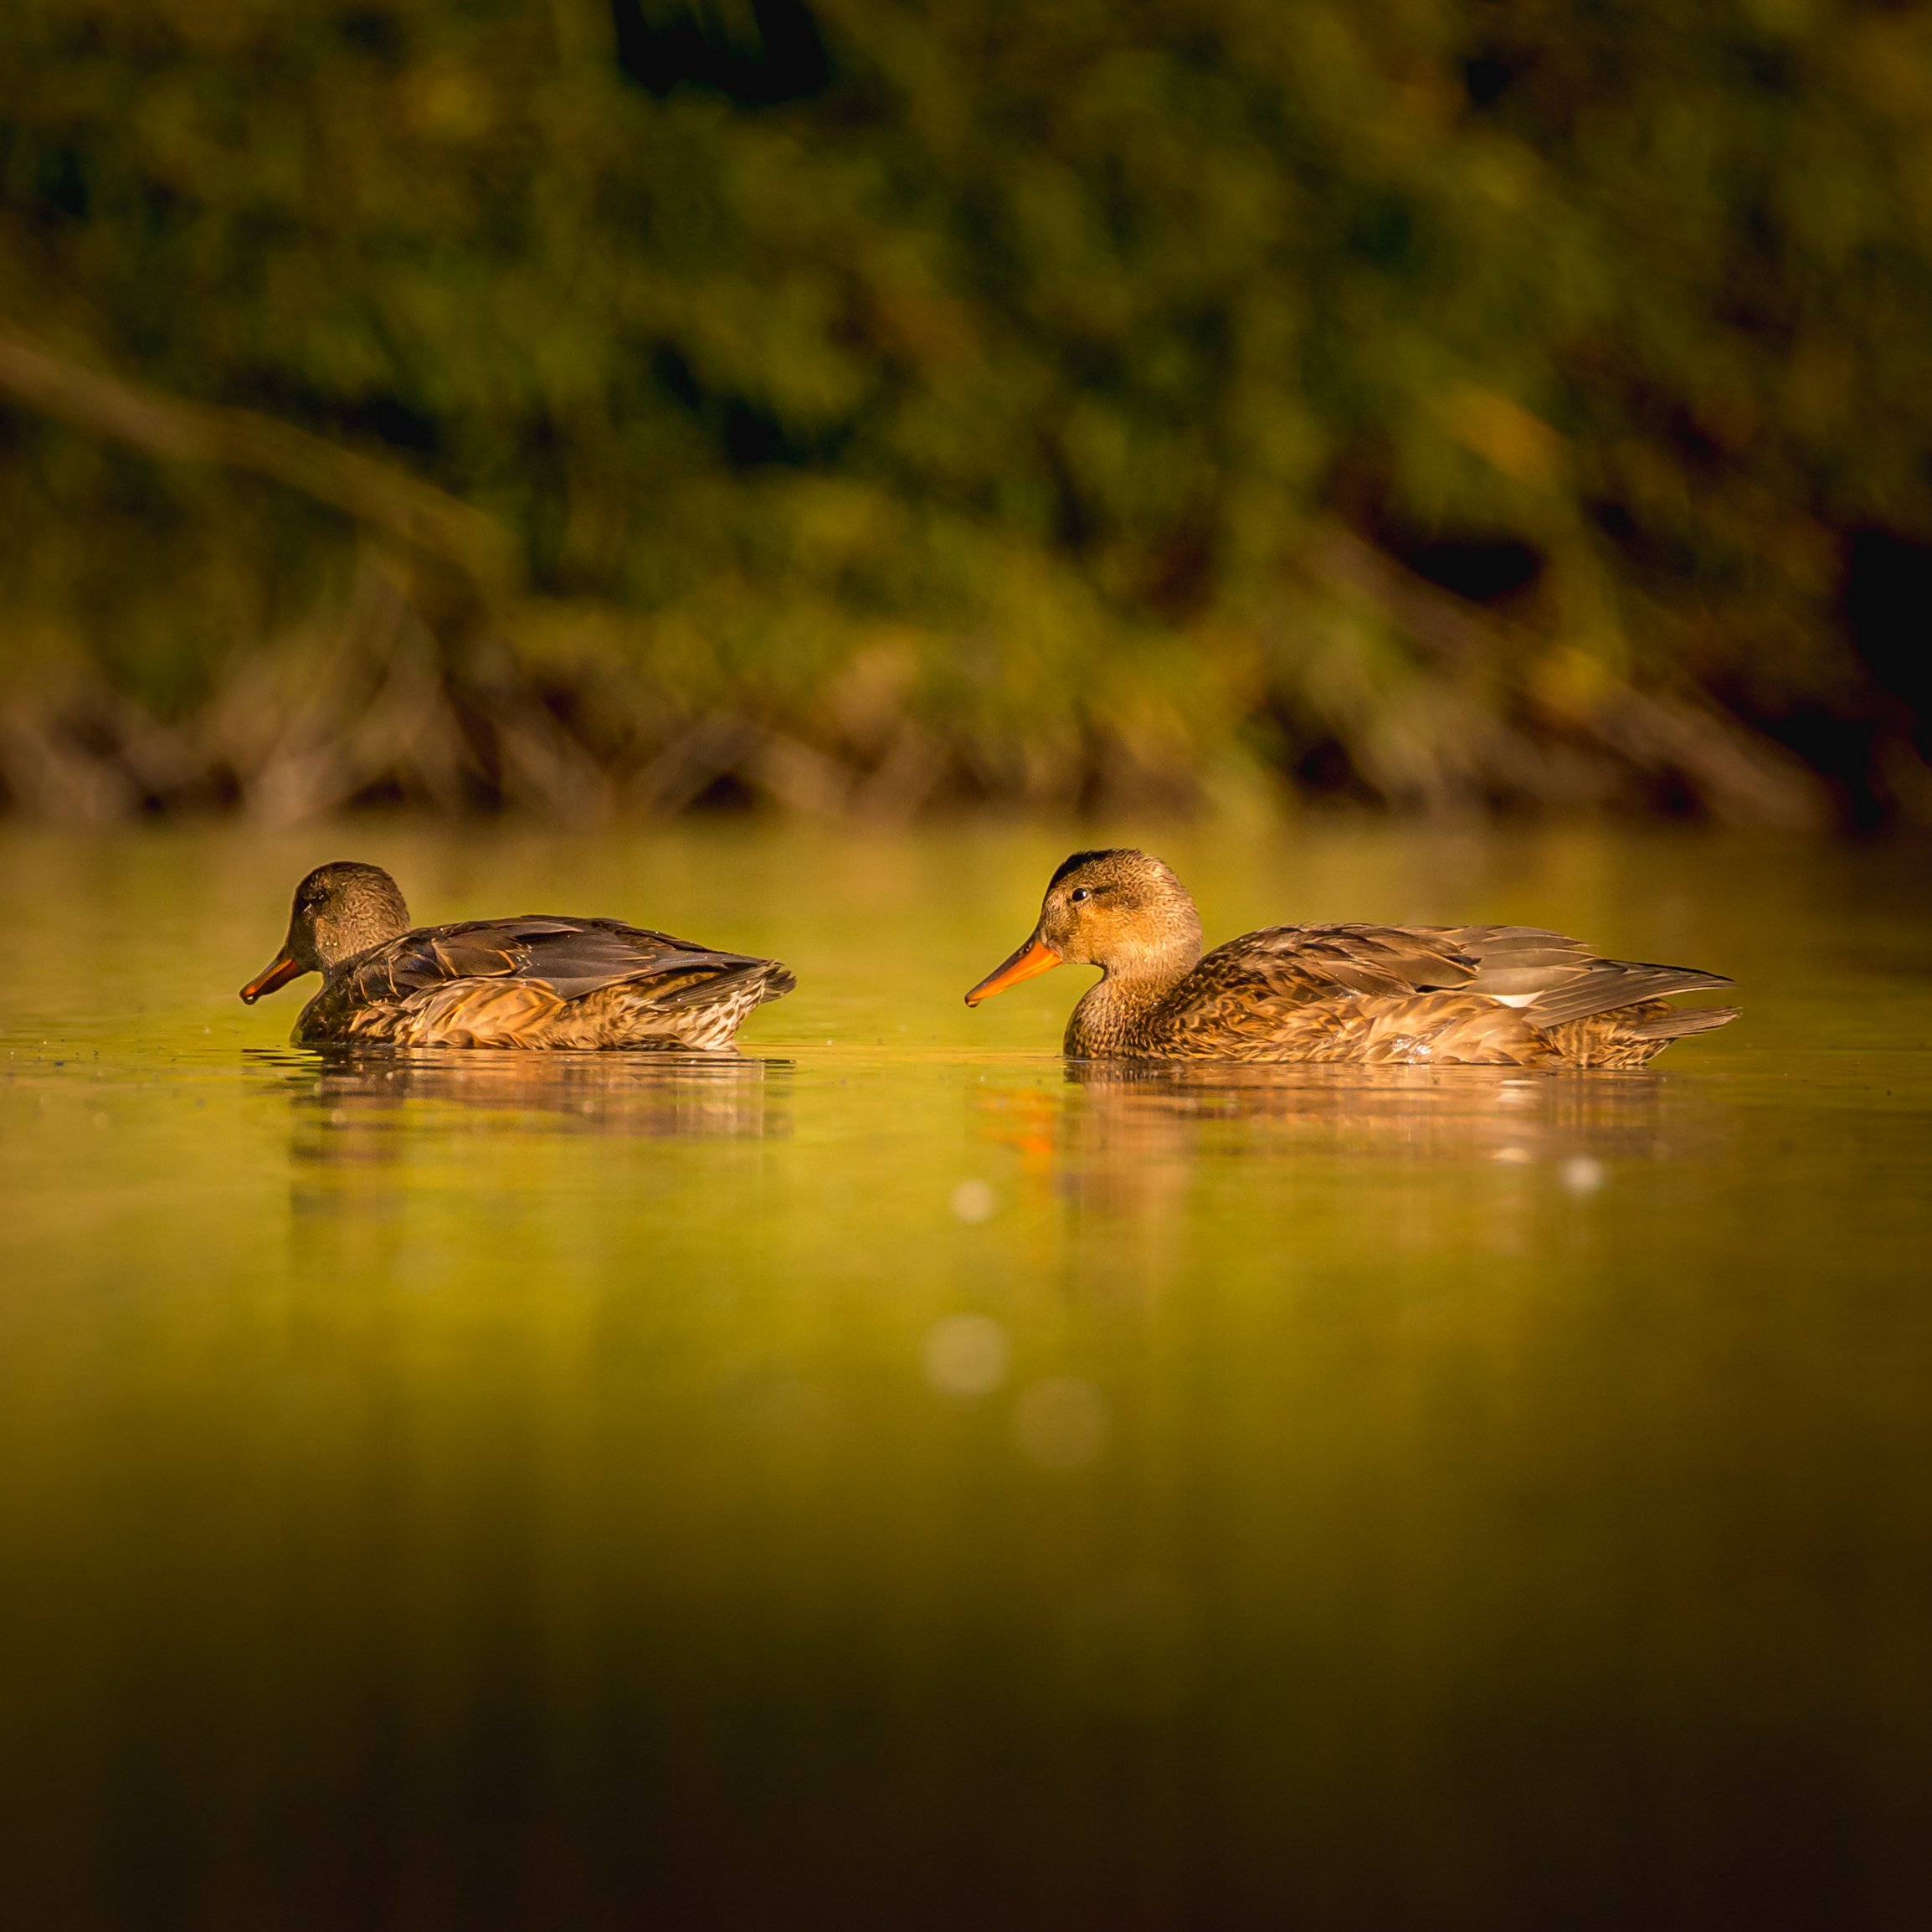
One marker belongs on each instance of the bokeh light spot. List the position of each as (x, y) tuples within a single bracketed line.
[(966, 1355), (975, 1201)]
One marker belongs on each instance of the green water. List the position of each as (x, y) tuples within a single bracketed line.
[(884, 1481)]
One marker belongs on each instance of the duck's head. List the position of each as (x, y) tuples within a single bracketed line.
[(340, 911), (1122, 910)]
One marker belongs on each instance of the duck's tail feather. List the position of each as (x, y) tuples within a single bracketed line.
[(773, 980), (1675, 1022), (1610, 983), (1630, 1036)]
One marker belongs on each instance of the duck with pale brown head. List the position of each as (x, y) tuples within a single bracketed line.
[(1389, 995), (537, 981)]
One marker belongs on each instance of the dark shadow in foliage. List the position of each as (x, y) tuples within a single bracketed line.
[(1486, 78), (1484, 569), (1888, 606), (371, 31), (1851, 737), (61, 180), (690, 49), (752, 438)]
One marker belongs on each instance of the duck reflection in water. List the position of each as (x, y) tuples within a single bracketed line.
[(364, 1107), (1126, 1136)]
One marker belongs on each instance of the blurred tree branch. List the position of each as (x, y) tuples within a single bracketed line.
[(383, 499)]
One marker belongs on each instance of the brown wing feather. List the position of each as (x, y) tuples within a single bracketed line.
[(1565, 980), (1249, 993), (1466, 993), (477, 955), (1314, 962), (573, 957), (1611, 984), (1513, 960)]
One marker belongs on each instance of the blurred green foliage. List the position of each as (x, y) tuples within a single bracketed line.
[(1401, 395)]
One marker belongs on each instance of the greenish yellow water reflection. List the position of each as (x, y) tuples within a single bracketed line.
[(891, 1479)]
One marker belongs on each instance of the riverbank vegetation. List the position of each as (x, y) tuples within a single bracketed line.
[(613, 406)]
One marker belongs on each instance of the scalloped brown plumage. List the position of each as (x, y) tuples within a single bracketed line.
[(1389, 995), (536, 981)]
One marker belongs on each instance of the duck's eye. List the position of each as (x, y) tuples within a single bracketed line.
[(1078, 893)]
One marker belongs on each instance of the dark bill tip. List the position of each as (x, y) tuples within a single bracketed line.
[(277, 972)]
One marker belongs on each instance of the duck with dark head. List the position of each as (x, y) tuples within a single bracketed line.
[(1389, 995), (537, 981)]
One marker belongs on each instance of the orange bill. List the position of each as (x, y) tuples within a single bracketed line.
[(278, 971), (1035, 957)]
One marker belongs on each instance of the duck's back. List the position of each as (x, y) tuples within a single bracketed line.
[(1403, 995), (542, 980)]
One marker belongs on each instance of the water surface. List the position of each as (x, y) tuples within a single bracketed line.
[(892, 1478)]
